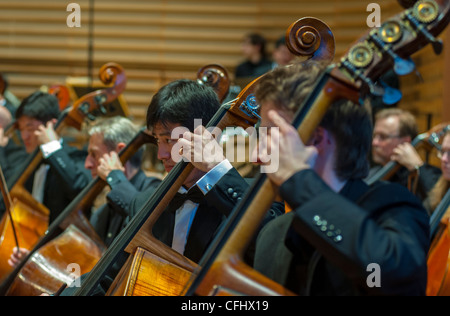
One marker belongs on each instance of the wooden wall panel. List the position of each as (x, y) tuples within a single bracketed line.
[(162, 40)]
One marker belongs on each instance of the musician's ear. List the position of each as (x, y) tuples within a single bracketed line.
[(406, 139), (120, 146), (318, 137)]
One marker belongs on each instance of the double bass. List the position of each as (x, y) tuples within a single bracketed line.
[(438, 260), (31, 217), (137, 239), (222, 270)]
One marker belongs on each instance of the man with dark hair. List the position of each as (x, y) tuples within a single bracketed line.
[(339, 228), (393, 133), (62, 175)]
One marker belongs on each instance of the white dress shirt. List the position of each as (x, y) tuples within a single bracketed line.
[(184, 216)]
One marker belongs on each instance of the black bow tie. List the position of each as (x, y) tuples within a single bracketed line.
[(194, 195)]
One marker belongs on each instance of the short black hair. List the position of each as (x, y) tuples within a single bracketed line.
[(40, 106), (181, 102)]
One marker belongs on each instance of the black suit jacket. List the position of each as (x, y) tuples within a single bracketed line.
[(110, 218), (11, 158), (325, 245), (66, 178)]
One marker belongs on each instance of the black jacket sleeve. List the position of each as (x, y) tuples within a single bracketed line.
[(123, 191), (68, 162), (230, 189)]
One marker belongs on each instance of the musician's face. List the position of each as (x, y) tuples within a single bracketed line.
[(445, 160), (96, 149), (27, 126), (163, 134), (385, 138)]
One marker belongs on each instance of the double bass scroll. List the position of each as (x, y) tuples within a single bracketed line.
[(312, 38), (216, 77)]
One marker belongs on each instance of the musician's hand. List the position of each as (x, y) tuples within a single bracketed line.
[(283, 152), (201, 148), (3, 139), (17, 256), (46, 134), (406, 155), (108, 163)]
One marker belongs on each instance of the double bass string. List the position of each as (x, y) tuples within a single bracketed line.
[(8, 204)]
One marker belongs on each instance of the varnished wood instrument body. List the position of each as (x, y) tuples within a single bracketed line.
[(150, 275), (438, 263), (58, 262)]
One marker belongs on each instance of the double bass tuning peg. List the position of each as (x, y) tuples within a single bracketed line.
[(402, 66), (390, 95), (425, 12)]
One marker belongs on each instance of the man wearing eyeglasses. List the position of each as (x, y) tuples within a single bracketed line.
[(392, 135)]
